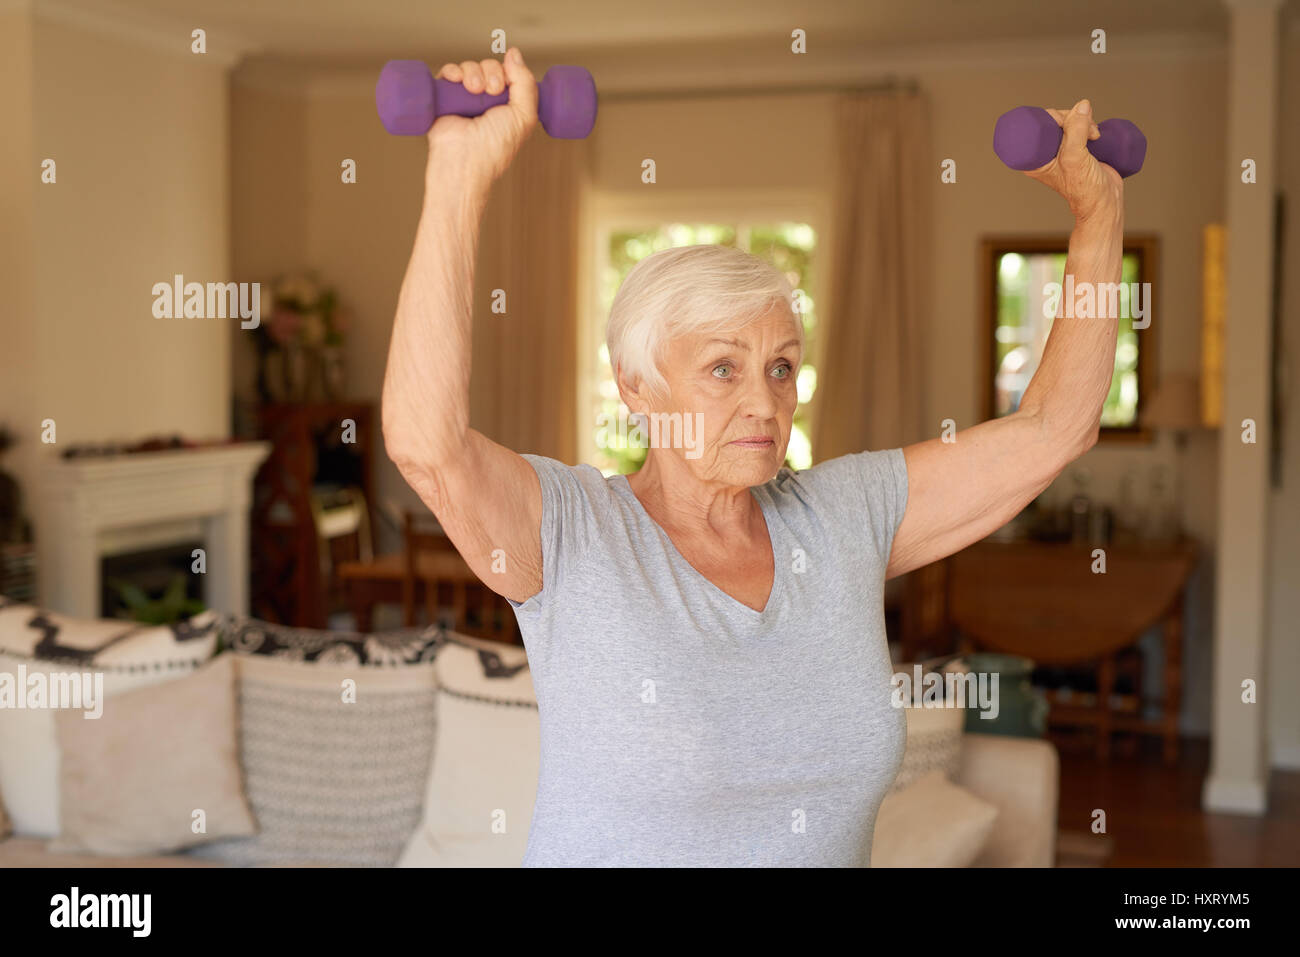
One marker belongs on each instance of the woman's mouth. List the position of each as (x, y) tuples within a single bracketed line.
[(754, 442)]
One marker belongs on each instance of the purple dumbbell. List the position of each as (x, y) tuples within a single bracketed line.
[(1028, 138), (409, 99)]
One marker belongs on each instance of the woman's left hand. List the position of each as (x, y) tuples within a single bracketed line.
[(1087, 184)]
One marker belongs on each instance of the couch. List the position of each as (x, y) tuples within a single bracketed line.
[(993, 804)]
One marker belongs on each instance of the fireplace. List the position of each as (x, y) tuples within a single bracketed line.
[(152, 570), (91, 509)]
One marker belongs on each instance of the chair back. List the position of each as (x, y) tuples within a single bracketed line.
[(432, 567)]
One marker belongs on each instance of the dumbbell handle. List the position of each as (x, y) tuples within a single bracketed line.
[(1028, 138), (452, 98), (409, 100)]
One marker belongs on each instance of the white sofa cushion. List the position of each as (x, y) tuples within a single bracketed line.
[(479, 803), (131, 781), (931, 823)]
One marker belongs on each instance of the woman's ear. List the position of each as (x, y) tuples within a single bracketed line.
[(630, 392)]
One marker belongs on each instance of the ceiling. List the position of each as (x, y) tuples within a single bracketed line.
[(651, 45), (356, 30)]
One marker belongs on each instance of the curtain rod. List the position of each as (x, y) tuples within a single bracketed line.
[(889, 85)]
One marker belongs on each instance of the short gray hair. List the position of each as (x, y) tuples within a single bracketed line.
[(688, 289)]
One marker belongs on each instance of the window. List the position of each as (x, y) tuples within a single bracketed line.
[(1024, 279), (789, 245)]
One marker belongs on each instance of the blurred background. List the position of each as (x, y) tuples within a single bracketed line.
[(850, 142)]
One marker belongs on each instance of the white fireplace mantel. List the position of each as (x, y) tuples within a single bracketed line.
[(86, 508)]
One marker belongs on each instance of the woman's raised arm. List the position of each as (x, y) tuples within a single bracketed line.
[(959, 492), (486, 497)]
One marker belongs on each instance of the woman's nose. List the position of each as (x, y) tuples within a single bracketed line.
[(758, 398)]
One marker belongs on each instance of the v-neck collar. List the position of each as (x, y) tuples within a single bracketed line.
[(773, 530)]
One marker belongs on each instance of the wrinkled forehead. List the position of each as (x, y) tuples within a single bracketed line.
[(777, 330)]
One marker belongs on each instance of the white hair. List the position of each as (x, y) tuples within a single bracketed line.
[(688, 289)]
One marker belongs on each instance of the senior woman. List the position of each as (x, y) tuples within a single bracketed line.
[(706, 637)]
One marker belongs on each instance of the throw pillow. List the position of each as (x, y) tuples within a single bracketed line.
[(131, 781), (934, 734), (931, 823), (38, 646), (479, 803), (406, 646), (334, 756)]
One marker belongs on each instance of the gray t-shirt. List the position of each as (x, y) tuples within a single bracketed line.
[(680, 727)]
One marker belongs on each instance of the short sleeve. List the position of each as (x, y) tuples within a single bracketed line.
[(565, 526), (873, 486)]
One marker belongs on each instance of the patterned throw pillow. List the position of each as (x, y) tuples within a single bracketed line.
[(336, 736), (38, 642), (249, 636)]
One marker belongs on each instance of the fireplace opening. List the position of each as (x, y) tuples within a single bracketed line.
[(153, 571)]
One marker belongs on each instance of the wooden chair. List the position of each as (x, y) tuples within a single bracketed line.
[(432, 565), (342, 521)]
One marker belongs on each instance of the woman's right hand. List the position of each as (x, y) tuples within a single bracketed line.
[(487, 143)]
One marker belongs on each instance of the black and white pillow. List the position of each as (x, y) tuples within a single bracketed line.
[(127, 654), (30, 632)]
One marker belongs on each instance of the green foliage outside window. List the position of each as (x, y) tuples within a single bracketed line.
[(1022, 328)]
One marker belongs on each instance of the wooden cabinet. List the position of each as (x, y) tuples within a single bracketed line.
[(316, 448)]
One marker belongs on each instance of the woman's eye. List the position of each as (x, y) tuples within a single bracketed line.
[(723, 366), (785, 368)]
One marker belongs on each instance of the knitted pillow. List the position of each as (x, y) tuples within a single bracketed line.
[(934, 728), (336, 735)]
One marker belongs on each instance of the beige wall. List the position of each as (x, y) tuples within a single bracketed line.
[(269, 205), (359, 236), (17, 254), (140, 139), (296, 213)]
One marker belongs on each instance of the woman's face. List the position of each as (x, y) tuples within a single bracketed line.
[(735, 394)]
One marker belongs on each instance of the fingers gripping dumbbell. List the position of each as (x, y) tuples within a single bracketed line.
[(410, 98)]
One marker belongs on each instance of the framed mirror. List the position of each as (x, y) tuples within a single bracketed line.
[(1021, 281)]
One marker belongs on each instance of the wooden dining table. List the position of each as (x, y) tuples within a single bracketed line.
[(456, 588), (1053, 604)]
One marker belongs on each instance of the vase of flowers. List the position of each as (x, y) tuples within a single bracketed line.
[(302, 342)]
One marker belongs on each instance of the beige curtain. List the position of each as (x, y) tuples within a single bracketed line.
[(524, 379), (869, 350)]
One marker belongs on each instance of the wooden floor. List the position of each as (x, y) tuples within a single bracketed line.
[(1154, 816)]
